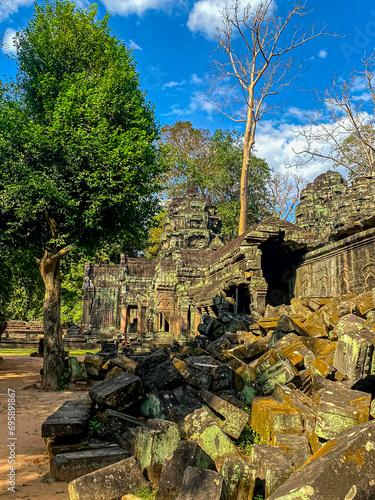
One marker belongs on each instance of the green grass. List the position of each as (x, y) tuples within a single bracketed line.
[(27, 352), (146, 494)]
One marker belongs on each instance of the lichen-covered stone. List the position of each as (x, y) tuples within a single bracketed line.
[(341, 469), (272, 465), (270, 417), (153, 444), (77, 370), (340, 409), (291, 347), (230, 419), (239, 477), (110, 483), (280, 373), (187, 454), (354, 353), (202, 429)]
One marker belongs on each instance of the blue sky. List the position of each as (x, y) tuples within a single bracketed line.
[(172, 42)]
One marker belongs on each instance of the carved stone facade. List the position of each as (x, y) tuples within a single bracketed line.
[(329, 251)]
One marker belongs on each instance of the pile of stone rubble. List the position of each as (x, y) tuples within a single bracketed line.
[(279, 407)]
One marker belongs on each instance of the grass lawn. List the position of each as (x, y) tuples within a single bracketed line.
[(27, 352)]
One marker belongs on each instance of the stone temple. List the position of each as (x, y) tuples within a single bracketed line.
[(329, 251)]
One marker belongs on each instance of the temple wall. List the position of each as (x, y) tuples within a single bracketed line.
[(347, 266)]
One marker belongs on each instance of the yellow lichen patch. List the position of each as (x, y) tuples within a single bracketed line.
[(358, 458), (331, 445)]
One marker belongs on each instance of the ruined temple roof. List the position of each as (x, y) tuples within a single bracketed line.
[(269, 227)]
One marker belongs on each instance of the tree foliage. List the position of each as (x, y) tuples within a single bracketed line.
[(213, 163), (78, 158)]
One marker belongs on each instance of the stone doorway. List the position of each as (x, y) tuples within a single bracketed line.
[(279, 265)]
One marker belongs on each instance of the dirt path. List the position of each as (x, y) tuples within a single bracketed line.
[(32, 408)]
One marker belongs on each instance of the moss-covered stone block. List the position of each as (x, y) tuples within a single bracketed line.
[(201, 428), (153, 444)]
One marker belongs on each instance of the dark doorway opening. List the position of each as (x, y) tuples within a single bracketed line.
[(132, 319), (279, 266)]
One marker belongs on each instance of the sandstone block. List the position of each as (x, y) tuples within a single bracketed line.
[(70, 419), (315, 325), (202, 429), (272, 465), (171, 405), (194, 375), (113, 372), (347, 325), (230, 419), (187, 454), (247, 351), (69, 466), (202, 485), (270, 417), (280, 373), (119, 393), (110, 483), (153, 444), (354, 354), (77, 370), (296, 447), (125, 363), (114, 424), (365, 302), (239, 477), (291, 347), (93, 364), (342, 469), (340, 409), (302, 403)]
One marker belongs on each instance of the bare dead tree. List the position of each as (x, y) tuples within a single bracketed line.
[(343, 132), (285, 191), (253, 62)]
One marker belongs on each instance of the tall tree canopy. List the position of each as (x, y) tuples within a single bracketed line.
[(213, 163), (78, 158)]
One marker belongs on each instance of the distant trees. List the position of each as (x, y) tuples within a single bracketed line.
[(253, 63), (213, 163), (342, 131), (285, 191), (78, 160)]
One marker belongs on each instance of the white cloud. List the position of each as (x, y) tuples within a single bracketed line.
[(195, 80), (323, 53), (9, 7), (8, 45), (276, 142), (206, 15), (134, 45), (198, 102), (171, 84), (126, 7)]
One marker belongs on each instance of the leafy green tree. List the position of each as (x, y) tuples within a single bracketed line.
[(213, 163), (78, 158)]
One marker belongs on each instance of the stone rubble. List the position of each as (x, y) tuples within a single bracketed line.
[(282, 411)]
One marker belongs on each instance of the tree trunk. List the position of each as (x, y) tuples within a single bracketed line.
[(54, 356), (249, 141)]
